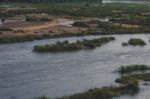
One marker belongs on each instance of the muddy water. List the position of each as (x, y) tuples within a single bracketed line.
[(24, 74)]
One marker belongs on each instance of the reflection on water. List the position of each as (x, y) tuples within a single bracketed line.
[(24, 74)]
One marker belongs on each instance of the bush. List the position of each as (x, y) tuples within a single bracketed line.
[(136, 42)]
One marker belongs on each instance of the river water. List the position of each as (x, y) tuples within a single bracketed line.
[(24, 74)]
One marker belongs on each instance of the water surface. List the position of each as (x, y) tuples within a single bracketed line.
[(24, 74)]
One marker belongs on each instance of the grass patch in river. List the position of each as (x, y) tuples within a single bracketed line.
[(133, 68), (66, 46), (134, 42)]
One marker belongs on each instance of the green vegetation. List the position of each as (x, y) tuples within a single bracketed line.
[(23, 38), (105, 92), (122, 10), (133, 68), (124, 30), (136, 42), (66, 46), (14, 39), (133, 78), (80, 24)]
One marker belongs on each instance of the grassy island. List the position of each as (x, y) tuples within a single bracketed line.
[(66, 46), (134, 42), (127, 77)]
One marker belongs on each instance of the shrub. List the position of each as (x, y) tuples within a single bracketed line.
[(136, 41)]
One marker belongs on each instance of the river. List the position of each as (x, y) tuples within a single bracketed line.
[(24, 74)]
